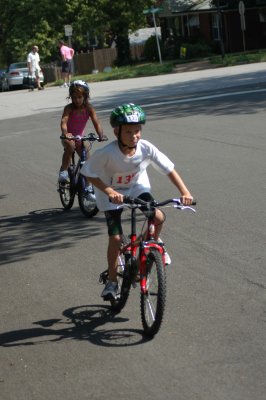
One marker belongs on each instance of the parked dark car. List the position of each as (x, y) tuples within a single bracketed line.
[(3, 80)]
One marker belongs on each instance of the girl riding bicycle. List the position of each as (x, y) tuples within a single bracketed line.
[(73, 122), (119, 169)]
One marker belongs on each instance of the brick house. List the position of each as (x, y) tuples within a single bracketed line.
[(200, 18)]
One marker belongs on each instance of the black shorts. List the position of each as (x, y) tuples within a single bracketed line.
[(113, 217), (66, 66)]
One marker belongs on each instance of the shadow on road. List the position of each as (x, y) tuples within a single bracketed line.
[(81, 323), (41, 231), (184, 91)]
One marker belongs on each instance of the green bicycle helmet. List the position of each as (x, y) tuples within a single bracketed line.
[(127, 114)]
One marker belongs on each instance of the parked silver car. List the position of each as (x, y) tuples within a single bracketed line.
[(16, 73)]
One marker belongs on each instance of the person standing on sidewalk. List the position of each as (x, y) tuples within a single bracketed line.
[(67, 54), (33, 60)]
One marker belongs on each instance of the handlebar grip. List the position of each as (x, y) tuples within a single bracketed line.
[(63, 137), (194, 202), (104, 139), (128, 200), (135, 200)]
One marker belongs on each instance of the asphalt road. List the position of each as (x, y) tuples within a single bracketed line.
[(58, 339)]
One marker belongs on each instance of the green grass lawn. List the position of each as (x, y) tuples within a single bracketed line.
[(167, 67), (239, 58)]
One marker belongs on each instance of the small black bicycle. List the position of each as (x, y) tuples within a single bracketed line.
[(77, 182)]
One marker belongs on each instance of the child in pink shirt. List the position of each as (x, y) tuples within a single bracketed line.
[(67, 54), (73, 122)]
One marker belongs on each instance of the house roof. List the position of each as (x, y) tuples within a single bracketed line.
[(141, 35), (196, 6), (189, 5)]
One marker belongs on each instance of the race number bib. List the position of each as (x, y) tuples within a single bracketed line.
[(133, 118), (124, 180)]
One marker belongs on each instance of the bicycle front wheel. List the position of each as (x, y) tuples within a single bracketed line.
[(152, 302), (67, 192), (87, 201)]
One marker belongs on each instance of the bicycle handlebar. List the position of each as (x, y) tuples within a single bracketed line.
[(91, 137), (154, 204)]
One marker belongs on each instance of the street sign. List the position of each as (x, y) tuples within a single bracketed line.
[(68, 30), (152, 10), (241, 7)]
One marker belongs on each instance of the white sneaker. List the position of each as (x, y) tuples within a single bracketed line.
[(63, 177), (64, 85), (167, 258), (110, 290), (90, 196)]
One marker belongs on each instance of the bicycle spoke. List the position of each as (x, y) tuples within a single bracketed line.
[(66, 195), (150, 309)]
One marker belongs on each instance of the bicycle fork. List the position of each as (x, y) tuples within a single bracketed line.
[(144, 252)]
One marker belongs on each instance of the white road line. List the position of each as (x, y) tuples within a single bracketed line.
[(200, 98)]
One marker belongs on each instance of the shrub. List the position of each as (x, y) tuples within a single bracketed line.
[(151, 49), (197, 50)]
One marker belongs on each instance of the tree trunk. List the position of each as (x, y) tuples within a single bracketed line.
[(123, 49)]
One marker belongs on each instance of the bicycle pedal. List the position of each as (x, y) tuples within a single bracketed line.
[(103, 277), (63, 185), (109, 297)]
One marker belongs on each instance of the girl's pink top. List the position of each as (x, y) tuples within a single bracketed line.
[(77, 122)]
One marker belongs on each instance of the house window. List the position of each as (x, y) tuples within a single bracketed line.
[(262, 16), (193, 21), (215, 27)]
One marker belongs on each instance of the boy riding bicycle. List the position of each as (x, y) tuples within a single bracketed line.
[(119, 169)]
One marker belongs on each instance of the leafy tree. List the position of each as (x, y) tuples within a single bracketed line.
[(121, 16), (31, 24)]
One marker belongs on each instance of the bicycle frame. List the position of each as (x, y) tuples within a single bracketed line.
[(146, 242), (82, 159), (144, 246), (78, 182)]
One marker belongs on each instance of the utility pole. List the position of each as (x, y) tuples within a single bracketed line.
[(153, 11)]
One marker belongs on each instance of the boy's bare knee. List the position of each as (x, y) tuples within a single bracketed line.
[(115, 241), (159, 217)]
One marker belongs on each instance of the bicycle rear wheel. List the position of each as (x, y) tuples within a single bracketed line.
[(87, 204), (152, 303), (67, 191)]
